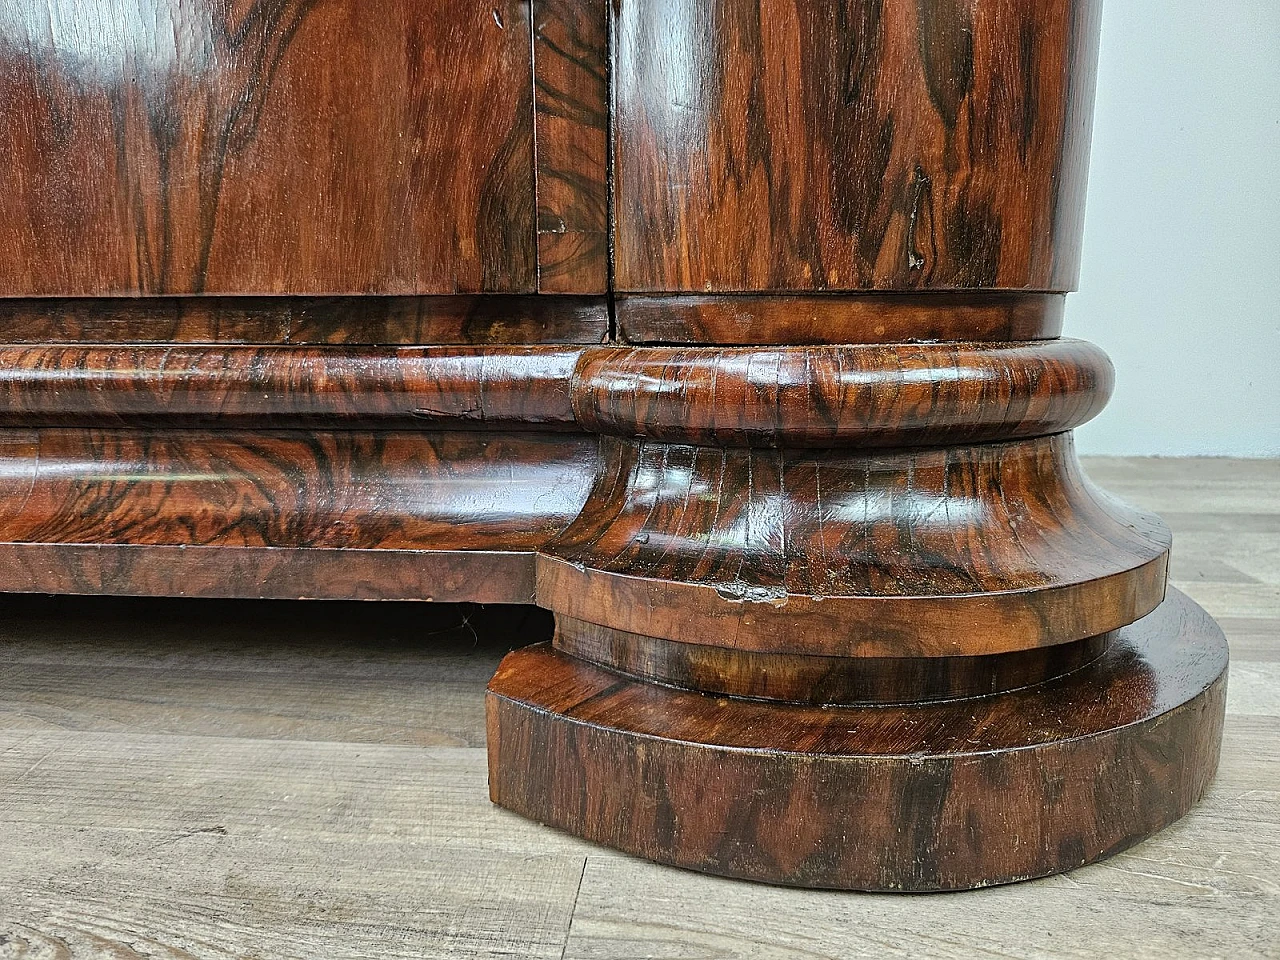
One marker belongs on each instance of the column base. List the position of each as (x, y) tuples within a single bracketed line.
[(917, 796)]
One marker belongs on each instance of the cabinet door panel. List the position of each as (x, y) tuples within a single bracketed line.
[(266, 146), (850, 145)]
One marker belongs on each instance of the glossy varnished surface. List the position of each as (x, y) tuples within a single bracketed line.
[(850, 396), (303, 146), (914, 797), (411, 515), (781, 145), (794, 397), (394, 490), (830, 318), (570, 59), (818, 680), (956, 551), (516, 388), (341, 321)]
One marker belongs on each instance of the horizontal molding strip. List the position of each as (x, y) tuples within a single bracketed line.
[(791, 397), (373, 514), (836, 396), (349, 321), (280, 386), (796, 318)]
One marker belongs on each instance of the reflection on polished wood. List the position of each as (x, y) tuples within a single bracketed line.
[(959, 551), (866, 318), (774, 145), (825, 397), (393, 490), (396, 515), (519, 388), (912, 797), (285, 147)]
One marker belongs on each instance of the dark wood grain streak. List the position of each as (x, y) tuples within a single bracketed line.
[(292, 146), (571, 90), (351, 321), (78, 506), (824, 397), (775, 145), (265, 387), (818, 680), (913, 797), (829, 318), (956, 551)]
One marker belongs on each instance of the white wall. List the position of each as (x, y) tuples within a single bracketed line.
[(1180, 282)]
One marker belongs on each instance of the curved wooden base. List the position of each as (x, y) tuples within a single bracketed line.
[(913, 797), (916, 552)]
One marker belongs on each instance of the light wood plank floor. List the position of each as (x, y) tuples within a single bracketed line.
[(265, 780)]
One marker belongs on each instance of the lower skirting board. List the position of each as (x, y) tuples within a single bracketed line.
[(451, 516), (267, 573)]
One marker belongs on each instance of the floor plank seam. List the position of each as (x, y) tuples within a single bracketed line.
[(573, 910)]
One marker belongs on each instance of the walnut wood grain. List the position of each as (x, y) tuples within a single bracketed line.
[(818, 680), (956, 551), (571, 91), (354, 321), (265, 387), (912, 797), (794, 397), (776, 145), (328, 514), (301, 146), (838, 319), (824, 397)]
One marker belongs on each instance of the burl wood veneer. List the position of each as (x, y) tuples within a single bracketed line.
[(922, 794), (766, 145), (729, 331)]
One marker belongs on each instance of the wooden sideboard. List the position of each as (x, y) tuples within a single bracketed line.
[(727, 330)]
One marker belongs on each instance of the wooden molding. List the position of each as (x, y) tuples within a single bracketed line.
[(328, 514), (299, 321), (273, 386), (819, 680), (796, 319), (958, 551), (890, 395)]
